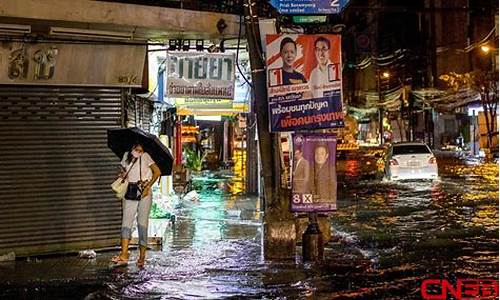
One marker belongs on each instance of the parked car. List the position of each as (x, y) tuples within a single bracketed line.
[(410, 160)]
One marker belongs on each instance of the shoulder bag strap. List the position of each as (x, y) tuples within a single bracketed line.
[(126, 174)]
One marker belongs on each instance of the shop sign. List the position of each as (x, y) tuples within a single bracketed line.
[(72, 64), (348, 146), (314, 173), (304, 81), (309, 6), (204, 103), (200, 75)]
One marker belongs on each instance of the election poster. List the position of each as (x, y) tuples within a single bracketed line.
[(304, 81), (314, 172), (200, 75)]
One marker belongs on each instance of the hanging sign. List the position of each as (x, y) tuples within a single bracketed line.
[(200, 75), (309, 6), (72, 64), (314, 173), (304, 81)]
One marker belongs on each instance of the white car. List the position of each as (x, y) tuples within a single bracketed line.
[(411, 160)]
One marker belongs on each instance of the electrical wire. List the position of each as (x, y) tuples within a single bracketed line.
[(237, 55)]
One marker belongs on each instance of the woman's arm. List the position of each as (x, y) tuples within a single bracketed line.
[(156, 175)]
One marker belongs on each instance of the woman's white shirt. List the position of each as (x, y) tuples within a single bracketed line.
[(145, 161)]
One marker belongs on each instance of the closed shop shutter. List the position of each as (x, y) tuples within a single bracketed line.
[(56, 169)]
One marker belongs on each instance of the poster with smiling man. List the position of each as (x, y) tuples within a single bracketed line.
[(304, 81)]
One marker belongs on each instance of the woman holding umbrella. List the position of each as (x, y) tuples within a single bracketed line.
[(141, 172)]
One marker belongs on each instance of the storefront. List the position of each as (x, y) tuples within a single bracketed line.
[(56, 166)]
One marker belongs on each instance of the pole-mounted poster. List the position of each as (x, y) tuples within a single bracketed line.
[(314, 173), (304, 81)]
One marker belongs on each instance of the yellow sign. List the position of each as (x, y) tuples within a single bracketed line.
[(348, 146)]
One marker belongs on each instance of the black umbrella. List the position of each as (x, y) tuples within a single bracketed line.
[(122, 140)]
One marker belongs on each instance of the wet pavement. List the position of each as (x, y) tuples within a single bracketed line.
[(388, 238)]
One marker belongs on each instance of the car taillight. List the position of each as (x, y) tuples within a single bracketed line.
[(432, 160), (393, 162)]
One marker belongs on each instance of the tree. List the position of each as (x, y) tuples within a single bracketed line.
[(485, 84)]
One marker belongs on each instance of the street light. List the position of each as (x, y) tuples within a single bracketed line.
[(485, 48)]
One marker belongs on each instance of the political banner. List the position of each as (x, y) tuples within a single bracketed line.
[(200, 75), (314, 172), (304, 81)]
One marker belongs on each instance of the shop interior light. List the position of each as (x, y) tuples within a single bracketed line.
[(172, 45), (199, 45), (186, 44), (208, 118), (15, 29), (77, 32)]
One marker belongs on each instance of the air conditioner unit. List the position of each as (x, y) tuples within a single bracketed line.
[(15, 29), (87, 33)]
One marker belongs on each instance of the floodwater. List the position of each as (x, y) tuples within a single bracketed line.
[(387, 238)]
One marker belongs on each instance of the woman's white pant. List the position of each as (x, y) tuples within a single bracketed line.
[(142, 208)]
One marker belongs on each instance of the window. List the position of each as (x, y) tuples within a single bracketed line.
[(410, 149)]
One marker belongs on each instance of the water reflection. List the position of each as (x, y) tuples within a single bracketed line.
[(388, 237)]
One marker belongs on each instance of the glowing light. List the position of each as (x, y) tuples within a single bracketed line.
[(386, 74), (485, 48)]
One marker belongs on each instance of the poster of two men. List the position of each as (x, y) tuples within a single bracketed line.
[(304, 78), (304, 81), (314, 176)]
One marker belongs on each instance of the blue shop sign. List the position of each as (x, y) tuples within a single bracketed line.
[(309, 6)]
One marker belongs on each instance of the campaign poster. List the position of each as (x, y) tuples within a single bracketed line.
[(304, 81), (200, 75), (314, 172)]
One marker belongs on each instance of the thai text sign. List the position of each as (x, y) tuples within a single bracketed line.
[(314, 173), (304, 79), (200, 75), (72, 64), (309, 6)]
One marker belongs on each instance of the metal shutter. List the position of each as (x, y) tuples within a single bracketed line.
[(56, 169)]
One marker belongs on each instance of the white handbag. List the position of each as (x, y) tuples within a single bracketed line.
[(119, 186)]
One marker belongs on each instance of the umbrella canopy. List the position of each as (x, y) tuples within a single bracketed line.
[(122, 140)]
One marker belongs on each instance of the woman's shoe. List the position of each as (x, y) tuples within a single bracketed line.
[(119, 261), (141, 261)]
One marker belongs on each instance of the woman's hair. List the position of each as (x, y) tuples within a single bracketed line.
[(286, 41), (129, 155)]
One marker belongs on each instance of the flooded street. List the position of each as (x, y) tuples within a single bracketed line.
[(387, 238)]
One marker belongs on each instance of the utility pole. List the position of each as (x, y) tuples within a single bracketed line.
[(279, 224), (380, 109)]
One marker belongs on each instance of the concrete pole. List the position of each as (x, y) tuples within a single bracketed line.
[(278, 225)]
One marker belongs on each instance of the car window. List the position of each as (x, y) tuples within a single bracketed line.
[(410, 149)]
